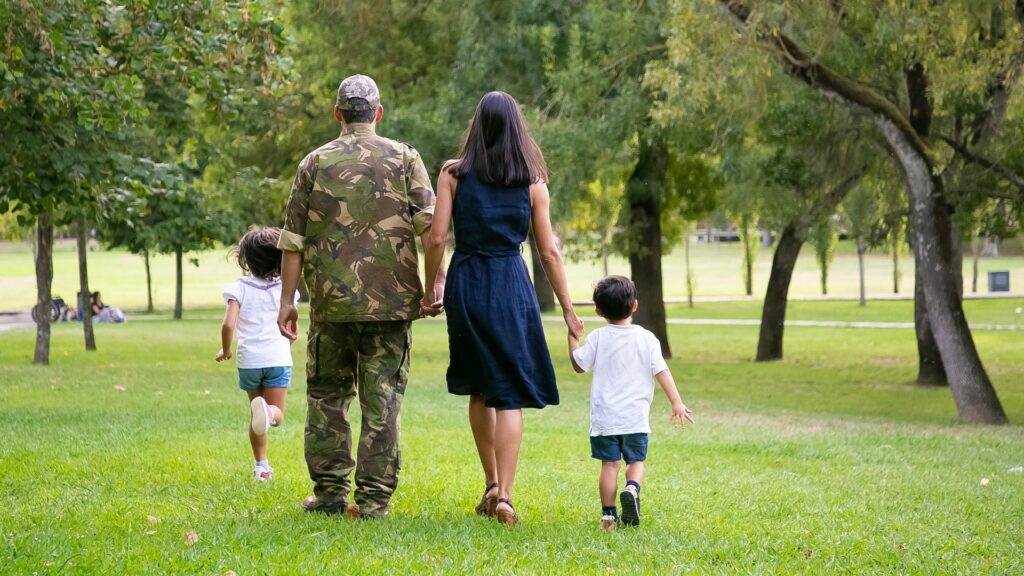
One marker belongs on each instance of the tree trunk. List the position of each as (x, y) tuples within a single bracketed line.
[(748, 259), (177, 283), (929, 362), (975, 397), (541, 284), (44, 281), (149, 283), (643, 195), (689, 269), (773, 315), (860, 264), (83, 284)]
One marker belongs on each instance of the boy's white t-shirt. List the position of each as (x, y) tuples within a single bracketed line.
[(624, 358), (260, 344)]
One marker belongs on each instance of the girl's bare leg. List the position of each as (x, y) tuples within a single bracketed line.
[(275, 398)]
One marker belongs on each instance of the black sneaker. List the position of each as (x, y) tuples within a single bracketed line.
[(314, 504), (630, 503)]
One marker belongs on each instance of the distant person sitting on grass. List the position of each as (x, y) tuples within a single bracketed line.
[(103, 313), (264, 356), (623, 358)]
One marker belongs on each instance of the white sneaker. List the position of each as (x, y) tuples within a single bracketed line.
[(261, 416), (262, 473)]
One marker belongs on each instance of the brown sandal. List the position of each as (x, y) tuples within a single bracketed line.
[(507, 517), (487, 504)]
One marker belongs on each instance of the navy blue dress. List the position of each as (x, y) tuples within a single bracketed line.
[(495, 339)]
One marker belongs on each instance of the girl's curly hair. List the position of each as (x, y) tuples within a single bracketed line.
[(257, 252)]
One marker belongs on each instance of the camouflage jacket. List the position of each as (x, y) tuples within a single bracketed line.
[(356, 207)]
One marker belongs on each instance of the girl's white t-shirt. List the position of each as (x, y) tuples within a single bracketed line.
[(260, 344), (624, 358)]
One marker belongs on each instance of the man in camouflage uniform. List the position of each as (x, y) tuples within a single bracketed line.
[(356, 207)]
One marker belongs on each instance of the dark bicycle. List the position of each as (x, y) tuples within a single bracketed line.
[(58, 311)]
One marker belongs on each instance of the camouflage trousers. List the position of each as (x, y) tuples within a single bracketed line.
[(346, 359)]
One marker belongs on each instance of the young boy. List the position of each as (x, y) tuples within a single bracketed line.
[(623, 359)]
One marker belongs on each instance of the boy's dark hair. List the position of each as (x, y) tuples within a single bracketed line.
[(358, 116), (257, 252), (614, 297)]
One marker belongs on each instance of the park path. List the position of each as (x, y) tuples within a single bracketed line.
[(12, 320)]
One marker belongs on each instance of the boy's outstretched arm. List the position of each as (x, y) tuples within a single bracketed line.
[(227, 330), (680, 412), (574, 344)]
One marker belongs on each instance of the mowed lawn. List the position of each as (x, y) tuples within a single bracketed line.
[(829, 462)]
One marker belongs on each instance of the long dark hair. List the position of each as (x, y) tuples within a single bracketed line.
[(498, 147)]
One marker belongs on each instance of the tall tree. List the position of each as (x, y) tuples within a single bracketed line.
[(908, 135), (862, 210), (65, 107), (80, 76)]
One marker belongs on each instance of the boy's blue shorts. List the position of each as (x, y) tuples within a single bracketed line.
[(628, 447), (252, 379)]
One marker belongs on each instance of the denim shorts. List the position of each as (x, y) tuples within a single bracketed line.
[(628, 447), (252, 379)]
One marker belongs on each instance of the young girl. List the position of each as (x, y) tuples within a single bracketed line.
[(264, 357)]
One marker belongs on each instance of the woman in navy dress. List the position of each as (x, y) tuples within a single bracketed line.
[(493, 192)]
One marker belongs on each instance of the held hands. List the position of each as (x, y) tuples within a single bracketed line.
[(288, 321), (223, 355), (432, 304), (680, 414), (573, 322)]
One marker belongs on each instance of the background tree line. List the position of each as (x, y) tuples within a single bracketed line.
[(167, 128)]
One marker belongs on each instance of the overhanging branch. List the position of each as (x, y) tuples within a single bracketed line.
[(995, 167), (799, 65)]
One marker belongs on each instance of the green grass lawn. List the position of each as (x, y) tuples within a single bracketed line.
[(121, 276), (829, 462)]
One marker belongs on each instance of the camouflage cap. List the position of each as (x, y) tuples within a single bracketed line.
[(358, 86)]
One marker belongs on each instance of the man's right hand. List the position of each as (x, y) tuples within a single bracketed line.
[(288, 321)]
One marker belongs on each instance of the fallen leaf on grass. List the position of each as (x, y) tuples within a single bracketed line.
[(901, 546), (984, 482), (152, 519), (119, 388), (191, 537), (230, 573)]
